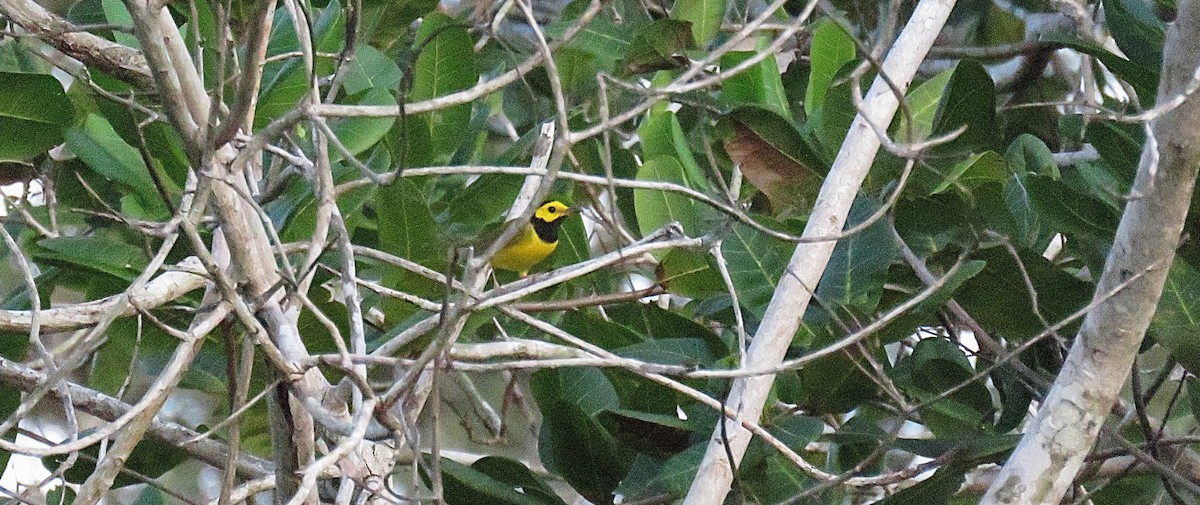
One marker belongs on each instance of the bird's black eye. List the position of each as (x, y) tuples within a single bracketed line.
[(553, 209)]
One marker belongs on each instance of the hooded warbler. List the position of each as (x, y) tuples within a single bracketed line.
[(535, 241)]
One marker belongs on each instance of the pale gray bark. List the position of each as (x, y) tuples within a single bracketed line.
[(1052, 451)]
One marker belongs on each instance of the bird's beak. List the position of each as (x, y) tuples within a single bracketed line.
[(573, 210)]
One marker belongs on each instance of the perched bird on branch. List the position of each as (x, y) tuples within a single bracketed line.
[(536, 240)]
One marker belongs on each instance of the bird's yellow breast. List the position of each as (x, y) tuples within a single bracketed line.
[(525, 251)]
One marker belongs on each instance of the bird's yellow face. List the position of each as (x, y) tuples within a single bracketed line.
[(552, 211)]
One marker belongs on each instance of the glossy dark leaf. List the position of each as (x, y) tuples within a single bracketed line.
[(832, 49), (446, 64), (1136, 29), (572, 443), (970, 100), (937, 365), (1119, 145), (36, 106), (1177, 319), (999, 291), (494, 480), (760, 86), (704, 15), (658, 46), (651, 477)]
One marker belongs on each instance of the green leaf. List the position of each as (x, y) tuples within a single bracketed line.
[(797, 431), (493, 480), (284, 82), (602, 38), (657, 46), (151, 496), (858, 268), (755, 263), (98, 253), (650, 477), (923, 101), (760, 86), (930, 223), (949, 285), (662, 135), (1018, 220), (61, 495), (484, 202), (999, 291), (830, 123), (977, 448), (1136, 29), (1028, 154), (118, 15), (371, 69), (571, 442), (975, 171), (970, 100), (446, 64), (1177, 319), (358, 134), (832, 49), (408, 229), (656, 208), (36, 106), (1089, 224), (937, 365), (10, 399), (1119, 145), (657, 323), (705, 16), (833, 385), (392, 18), (672, 351), (602, 332)]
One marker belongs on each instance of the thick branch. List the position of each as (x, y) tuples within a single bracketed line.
[(105, 407), (163, 289), (122, 62)]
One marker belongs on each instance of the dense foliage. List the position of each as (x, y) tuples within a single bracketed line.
[(971, 254)]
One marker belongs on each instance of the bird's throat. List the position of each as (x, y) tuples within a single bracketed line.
[(546, 230)]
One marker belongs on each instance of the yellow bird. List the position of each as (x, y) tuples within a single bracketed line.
[(535, 241)]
